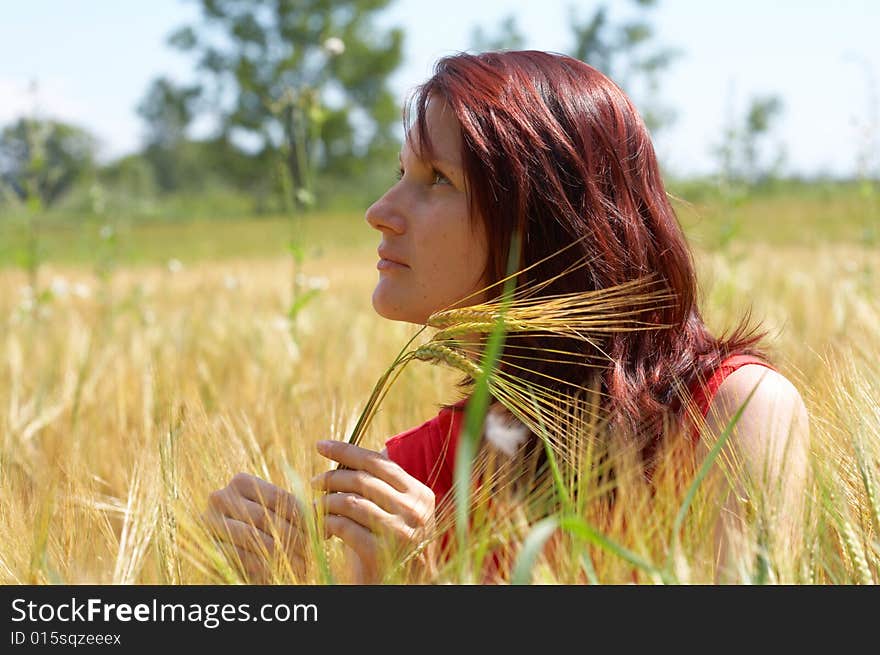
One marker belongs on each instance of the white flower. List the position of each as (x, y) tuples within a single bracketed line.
[(175, 266), (309, 282), (334, 46), (82, 290), (59, 287), (230, 282), (280, 323), (305, 197), (506, 436)]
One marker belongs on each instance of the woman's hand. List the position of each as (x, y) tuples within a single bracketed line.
[(261, 522), (374, 506)]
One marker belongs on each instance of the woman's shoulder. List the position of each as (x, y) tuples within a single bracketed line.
[(772, 407), (704, 389), (760, 384)]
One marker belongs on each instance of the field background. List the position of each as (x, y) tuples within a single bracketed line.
[(186, 273), (147, 368)]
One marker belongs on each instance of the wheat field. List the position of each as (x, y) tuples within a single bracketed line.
[(126, 400)]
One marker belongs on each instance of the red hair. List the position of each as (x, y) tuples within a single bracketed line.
[(554, 148)]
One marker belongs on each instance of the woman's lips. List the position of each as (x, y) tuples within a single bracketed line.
[(388, 265)]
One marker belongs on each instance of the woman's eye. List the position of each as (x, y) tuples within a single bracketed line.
[(440, 178), (436, 177)]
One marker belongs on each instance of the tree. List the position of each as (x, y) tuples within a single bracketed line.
[(167, 111), (303, 79), (627, 52), (508, 37), (40, 160), (742, 154)]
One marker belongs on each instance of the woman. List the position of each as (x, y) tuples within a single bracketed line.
[(547, 145)]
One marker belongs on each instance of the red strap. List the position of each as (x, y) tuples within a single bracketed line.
[(702, 394)]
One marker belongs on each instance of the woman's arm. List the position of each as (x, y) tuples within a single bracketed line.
[(769, 448)]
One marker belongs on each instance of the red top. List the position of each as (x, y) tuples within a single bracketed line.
[(427, 451)]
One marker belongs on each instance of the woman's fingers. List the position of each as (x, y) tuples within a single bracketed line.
[(355, 536), (261, 522), (369, 486), (252, 566), (364, 512), (375, 477), (283, 503), (239, 533), (355, 457), (229, 502), (372, 504), (258, 568), (233, 505)]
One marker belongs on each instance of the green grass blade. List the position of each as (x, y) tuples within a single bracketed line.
[(588, 568), (578, 527), (477, 407), (531, 549), (561, 491), (701, 475)]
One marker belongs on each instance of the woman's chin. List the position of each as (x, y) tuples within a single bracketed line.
[(387, 307), (395, 310)]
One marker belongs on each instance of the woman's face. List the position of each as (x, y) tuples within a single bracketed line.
[(430, 257)]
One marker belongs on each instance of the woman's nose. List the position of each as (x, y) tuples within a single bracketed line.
[(385, 215)]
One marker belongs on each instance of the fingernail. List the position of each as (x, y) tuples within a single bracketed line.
[(323, 446)]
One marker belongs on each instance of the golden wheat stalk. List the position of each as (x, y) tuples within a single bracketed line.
[(559, 313), (543, 410), (579, 316)]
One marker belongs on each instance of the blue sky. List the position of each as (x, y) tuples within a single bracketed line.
[(93, 59)]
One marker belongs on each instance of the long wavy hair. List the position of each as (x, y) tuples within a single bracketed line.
[(553, 148)]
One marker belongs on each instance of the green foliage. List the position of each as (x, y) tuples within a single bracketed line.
[(307, 79), (222, 224), (167, 110), (40, 160), (741, 154), (508, 37), (531, 549), (784, 213), (131, 175), (628, 53)]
